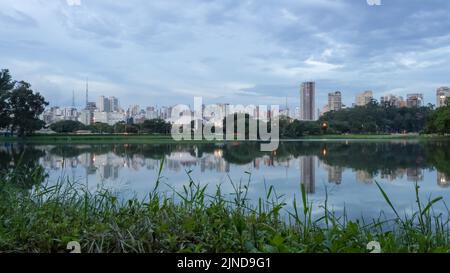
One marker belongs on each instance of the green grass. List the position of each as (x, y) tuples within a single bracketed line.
[(366, 136), (167, 139), (98, 139), (47, 218)]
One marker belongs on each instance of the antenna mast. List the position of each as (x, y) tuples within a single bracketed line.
[(87, 92), (73, 98)]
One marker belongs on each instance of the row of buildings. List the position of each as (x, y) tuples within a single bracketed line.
[(307, 100), (108, 110), (105, 110)]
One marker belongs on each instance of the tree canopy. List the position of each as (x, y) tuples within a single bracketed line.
[(20, 106), (67, 126), (439, 121), (377, 118)]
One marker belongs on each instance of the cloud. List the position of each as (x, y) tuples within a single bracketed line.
[(165, 52), (73, 2)]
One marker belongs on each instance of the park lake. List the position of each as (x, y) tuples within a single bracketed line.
[(341, 172)]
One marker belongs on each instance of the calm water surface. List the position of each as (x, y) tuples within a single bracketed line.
[(346, 170)]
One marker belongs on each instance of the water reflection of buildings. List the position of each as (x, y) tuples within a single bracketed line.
[(443, 180), (364, 177), (308, 173), (107, 166), (334, 173), (412, 174)]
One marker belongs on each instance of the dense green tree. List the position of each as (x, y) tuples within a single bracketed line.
[(156, 126), (377, 118), (67, 126), (122, 127), (6, 85), (101, 128), (439, 121), (296, 128), (25, 108)]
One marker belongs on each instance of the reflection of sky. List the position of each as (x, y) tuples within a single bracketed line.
[(357, 192)]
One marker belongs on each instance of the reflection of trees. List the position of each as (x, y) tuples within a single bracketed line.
[(241, 153), (374, 157), (68, 151), (19, 165), (438, 154), (152, 151), (368, 156)]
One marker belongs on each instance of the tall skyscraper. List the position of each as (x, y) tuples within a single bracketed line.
[(103, 104), (87, 93), (414, 100), (335, 101), (363, 98), (442, 94), (307, 101), (114, 104)]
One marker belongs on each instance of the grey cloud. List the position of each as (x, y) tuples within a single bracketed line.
[(18, 18)]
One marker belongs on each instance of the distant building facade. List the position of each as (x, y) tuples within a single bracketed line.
[(414, 100), (110, 104), (442, 94), (392, 100), (335, 101), (364, 98), (110, 118)]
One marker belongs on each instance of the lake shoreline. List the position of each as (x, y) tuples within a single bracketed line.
[(165, 139)]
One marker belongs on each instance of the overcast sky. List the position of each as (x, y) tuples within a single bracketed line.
[(164, 52)]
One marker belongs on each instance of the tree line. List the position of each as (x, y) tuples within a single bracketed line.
[(153, 126), (20, 106), (378, 118), (439, 120), (373, 118)]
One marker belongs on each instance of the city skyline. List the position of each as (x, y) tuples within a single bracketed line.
[(227, 54), (108, 110)]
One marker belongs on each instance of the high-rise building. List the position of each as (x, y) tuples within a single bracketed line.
[(91, 106), (364, 98), (114, 104), (414, 100), (134, 110), (107, 105), (392, 100), (335, 101), (442, 94), (86, 117), (103, 104), (307, 100)]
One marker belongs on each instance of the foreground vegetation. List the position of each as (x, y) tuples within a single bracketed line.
[(48, 217)]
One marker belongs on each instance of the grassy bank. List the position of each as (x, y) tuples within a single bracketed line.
[(97, 139), (47, 218), (167, 139)]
